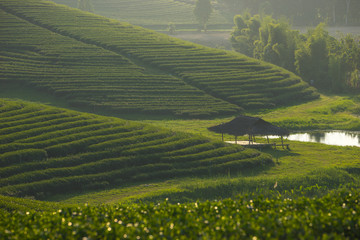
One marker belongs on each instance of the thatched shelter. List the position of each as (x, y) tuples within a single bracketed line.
[(245, 125)]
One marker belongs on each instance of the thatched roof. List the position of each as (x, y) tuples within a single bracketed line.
[(243, 125)]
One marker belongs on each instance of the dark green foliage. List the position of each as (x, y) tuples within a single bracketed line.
[(265, 38), (312, 59), (20, 156), (334, 216), (345, 63), (301, 13), (92, 152), (318, 58), (10, 204)]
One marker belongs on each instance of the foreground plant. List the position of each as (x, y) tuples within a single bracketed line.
[(332, 216)]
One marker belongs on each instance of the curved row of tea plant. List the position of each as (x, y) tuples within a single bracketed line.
[(10, 204), (334, 216), (87, 75), (145, 13), (46, 150), (230, 76)]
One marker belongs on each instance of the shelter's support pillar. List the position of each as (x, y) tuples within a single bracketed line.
[(282, 142)]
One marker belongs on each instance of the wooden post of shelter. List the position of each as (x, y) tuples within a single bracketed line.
[(251, 126)]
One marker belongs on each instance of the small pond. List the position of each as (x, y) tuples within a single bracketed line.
[(338, 138)]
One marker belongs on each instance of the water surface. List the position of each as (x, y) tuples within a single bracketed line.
[(338, 138)]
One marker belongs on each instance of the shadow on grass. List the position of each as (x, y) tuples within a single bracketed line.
[(279, 153)]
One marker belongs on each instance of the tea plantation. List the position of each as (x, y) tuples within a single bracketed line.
[(240, 81), (46, 150), (87, 75), (105, 66), (334, 216)]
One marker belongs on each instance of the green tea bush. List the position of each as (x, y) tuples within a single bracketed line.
[(26, 155), (86, 152), (333, 216)]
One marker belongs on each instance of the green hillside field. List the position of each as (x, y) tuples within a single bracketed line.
[(67, 174), (140, 70), (87, 75), (157, 183), (150, 13), (46, 150), (77, 158)]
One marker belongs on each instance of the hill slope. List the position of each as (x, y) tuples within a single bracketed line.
[(229, 76), (87, 75), (150, 12), (46, 150)]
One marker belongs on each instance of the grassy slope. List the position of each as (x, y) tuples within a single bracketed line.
[(301, 160), (232, 77), (89, 76), (306, 165), (328, 112), (46, 150), (325, 113), (151, 12)]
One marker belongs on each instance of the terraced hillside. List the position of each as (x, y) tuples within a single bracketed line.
[(150, 12), (228, 76), (88, 75), (46, 150)]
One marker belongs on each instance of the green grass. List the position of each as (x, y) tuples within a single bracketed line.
[(326, 113), (304, 166)]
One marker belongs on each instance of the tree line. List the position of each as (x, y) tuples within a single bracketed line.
[(320, 59), (300, 12)]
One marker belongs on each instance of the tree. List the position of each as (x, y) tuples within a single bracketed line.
[(266, 39), (347, 51), (312, 58), (245, 33), (85, 5), (202, 12), (347, 11), (171, 28)]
